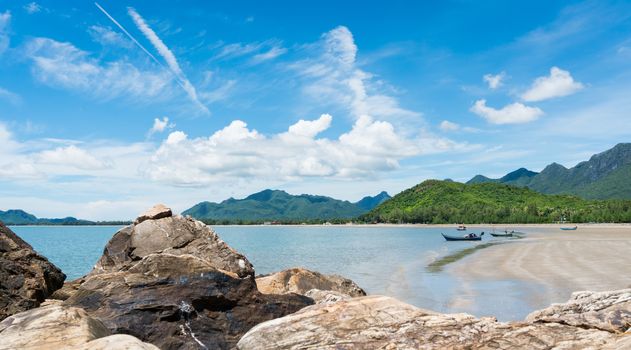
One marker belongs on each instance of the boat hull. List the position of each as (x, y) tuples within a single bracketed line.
[(456, 238), (569, 228)]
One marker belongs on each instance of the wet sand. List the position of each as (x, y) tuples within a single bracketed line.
[(553, 263)]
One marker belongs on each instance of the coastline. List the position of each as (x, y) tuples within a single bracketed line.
[(552, 262)]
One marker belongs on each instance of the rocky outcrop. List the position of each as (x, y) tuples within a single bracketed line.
[(300, 281), (609, 311), (158, 211), (377, 322), (173, 235), (26, 278), (59, 327), (172, 282)]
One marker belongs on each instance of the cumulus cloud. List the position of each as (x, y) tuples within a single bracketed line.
[(446, 125), (237, 152), (494, 81), (5, 19), (559, 83), (72, 156), (514, 113), (32, 8), (61, 64), (160, 125), (168, 56)]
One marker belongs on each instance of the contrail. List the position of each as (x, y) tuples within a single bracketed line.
[(164, 51), (129, 35)]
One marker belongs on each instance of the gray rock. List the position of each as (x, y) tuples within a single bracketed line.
[(26, 278), (174, 235), (158, 211)]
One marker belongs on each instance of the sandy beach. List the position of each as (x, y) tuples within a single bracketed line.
[(553, 263)]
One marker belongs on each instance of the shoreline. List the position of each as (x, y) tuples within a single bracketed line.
[(551, 264)]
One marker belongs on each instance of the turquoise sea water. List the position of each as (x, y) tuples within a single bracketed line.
[(382, 260)]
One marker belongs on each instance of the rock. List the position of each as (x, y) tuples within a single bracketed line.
[(26, 278), (50, 327), (68, 289), (158, 211), (116, 341), (174, 235), (172, 282), (300, 281), (378, 322), (608, 311), (326, 296)]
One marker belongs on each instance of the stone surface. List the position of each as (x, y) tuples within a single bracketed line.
[(173, 283), (50, 327), (26, 278), (68, 289), (116, 342), (608, 311), (300, 281), (377, 322), (326, 296), (158, 211), (172, 235)]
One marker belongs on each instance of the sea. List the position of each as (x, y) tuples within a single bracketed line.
[(383, 260)]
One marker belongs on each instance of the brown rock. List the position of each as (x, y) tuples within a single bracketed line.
[(377, 322), (300, 281), (158, 211), (116, 342), (172, 235), (180, 301), (26, 278), (68, 289)]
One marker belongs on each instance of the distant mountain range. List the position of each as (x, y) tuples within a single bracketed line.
[(280, 206), (20, 217), (440, 202), (606, 175)]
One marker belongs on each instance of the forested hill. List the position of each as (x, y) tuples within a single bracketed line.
[(440, 202), (605, 175)]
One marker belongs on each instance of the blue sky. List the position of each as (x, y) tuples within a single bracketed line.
[(105, 110)]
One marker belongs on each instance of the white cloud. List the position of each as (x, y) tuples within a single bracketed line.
[(160, 125), (168, 56), (5, 19), (514, 113), (559, 83), (106, 36), (269, 55), (332, 76), (237, 152), (12, 97), (494, 81), (32, 8), (72, 156), (60, 64), (446, 125)]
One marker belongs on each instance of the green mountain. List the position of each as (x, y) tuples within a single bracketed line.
[(440, 202), (606, 175), (20, 217), (276, 205), (368, 202)]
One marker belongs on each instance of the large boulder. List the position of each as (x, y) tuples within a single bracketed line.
[(59, 327), (378, 322), (26, 278), (172, 282), (609, 311), (301, 281), (160, 232)]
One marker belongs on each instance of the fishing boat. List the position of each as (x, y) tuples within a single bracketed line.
[(461, 228), (503, 234), (569, 228), (467, 237)]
